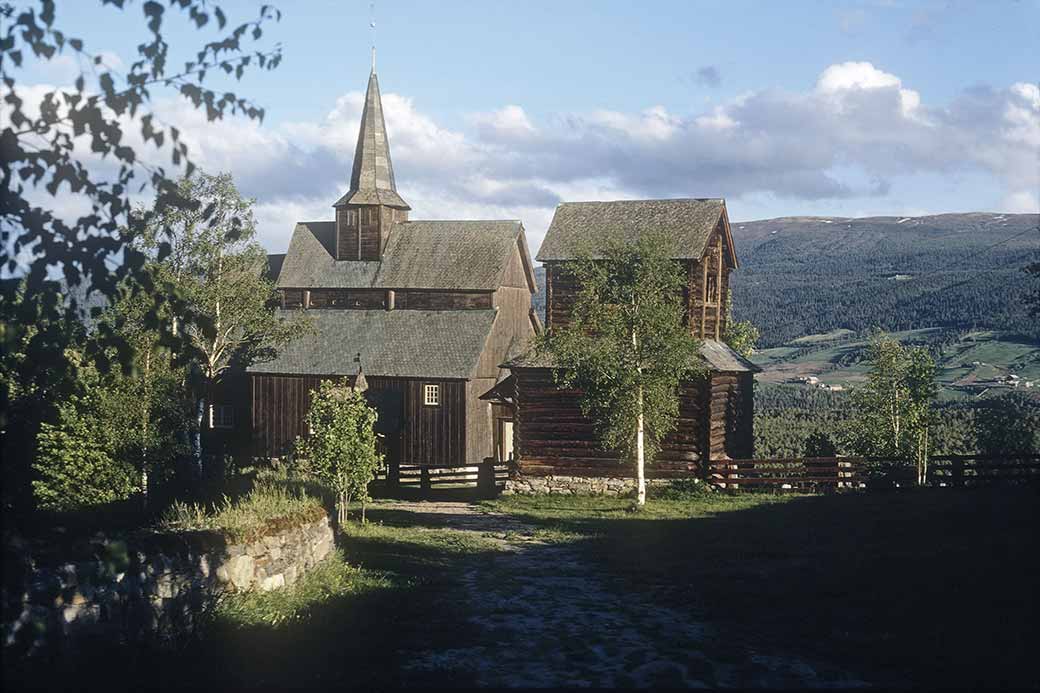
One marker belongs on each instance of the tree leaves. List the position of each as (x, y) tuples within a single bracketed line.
[(627, 331), (53, 145)]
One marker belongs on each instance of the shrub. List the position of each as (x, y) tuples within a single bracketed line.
[(341, 447), (74, 464)]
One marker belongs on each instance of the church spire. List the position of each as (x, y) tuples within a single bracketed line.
[(372, 179)]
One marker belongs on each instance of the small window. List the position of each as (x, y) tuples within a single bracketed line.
[(351, 217), (431, 395), (221, 416)]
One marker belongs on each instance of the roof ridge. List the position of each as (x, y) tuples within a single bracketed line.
[(460, 221), (645, 199)]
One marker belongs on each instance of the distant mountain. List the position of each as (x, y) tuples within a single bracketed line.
[(810, 275)]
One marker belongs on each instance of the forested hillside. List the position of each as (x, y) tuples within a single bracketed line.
[(809, 275)]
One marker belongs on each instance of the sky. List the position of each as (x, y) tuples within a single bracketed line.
[(501, 110)]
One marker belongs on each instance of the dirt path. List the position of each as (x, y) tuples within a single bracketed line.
[(546, 618)]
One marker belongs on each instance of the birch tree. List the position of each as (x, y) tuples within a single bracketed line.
[(627, 347), (893, 411), (219, 271)]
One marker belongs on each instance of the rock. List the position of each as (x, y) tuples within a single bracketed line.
[(240, 571), (290, 575), (204, 565), (272, 583)]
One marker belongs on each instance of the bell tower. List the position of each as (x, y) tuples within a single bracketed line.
[(365, 215)]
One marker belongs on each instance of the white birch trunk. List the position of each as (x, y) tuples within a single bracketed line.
[(640, 461)]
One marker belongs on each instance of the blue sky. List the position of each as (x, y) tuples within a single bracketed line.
[(504, 109)]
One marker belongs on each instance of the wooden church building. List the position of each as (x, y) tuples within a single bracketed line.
[(437, 316), (427, 310), (551, 437)]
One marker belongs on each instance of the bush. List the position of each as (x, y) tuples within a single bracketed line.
[(74, 464), (340, 451)]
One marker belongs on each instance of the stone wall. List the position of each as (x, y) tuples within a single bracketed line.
[(568, 485), (153, 589)]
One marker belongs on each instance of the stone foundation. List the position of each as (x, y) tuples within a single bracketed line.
[(150, 588), (570, 485)]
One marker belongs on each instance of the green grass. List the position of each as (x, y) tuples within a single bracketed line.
[(832, 336), (928, 587), (269, 502), (334, 579), (998, 354)]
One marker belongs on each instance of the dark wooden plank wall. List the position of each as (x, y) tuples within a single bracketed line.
[(364, 299), (374, 299), (374, 222), (443, 300), (731, 422), (429, 435), (552, 435), (346, 236)]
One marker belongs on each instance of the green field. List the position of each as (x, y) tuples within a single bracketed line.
[(967, 367)]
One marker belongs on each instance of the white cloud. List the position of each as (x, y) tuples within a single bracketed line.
[(845, 138), (1021, 202)]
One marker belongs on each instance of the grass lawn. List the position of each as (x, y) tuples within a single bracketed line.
[(928, 587)]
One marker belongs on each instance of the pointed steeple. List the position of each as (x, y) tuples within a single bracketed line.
[(372, 179)]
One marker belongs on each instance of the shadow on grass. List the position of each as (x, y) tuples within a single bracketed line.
[(361, 639), (927, 588), (930, 587)]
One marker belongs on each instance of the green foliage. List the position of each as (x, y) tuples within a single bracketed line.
[(741, 336), (215, 264), (893, 412), (340, 449), (239, 520), (626, 347), (51, 144), (75, 463), (1009, 425)]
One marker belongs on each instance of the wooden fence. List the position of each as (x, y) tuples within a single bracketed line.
[(822, 473), (489, 476)]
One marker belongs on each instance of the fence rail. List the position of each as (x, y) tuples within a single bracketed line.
[(811, 473), (488, 475)]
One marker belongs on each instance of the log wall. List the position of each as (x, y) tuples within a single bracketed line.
[(704, 295), (552, 436), (731, 423)]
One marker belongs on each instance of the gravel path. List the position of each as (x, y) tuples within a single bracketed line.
[(545, 618)]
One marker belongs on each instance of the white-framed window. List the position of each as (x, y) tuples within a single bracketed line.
[(221, 416), (351, 217), (431, 395)]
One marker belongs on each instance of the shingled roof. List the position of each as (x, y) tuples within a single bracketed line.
[(716, 354), (579, 227), (394, 343), (459, 255), (372, 178)]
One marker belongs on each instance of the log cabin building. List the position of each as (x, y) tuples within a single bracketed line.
[(551, 437), (427, 310)]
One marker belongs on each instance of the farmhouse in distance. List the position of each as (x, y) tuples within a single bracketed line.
[(437, 316)]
